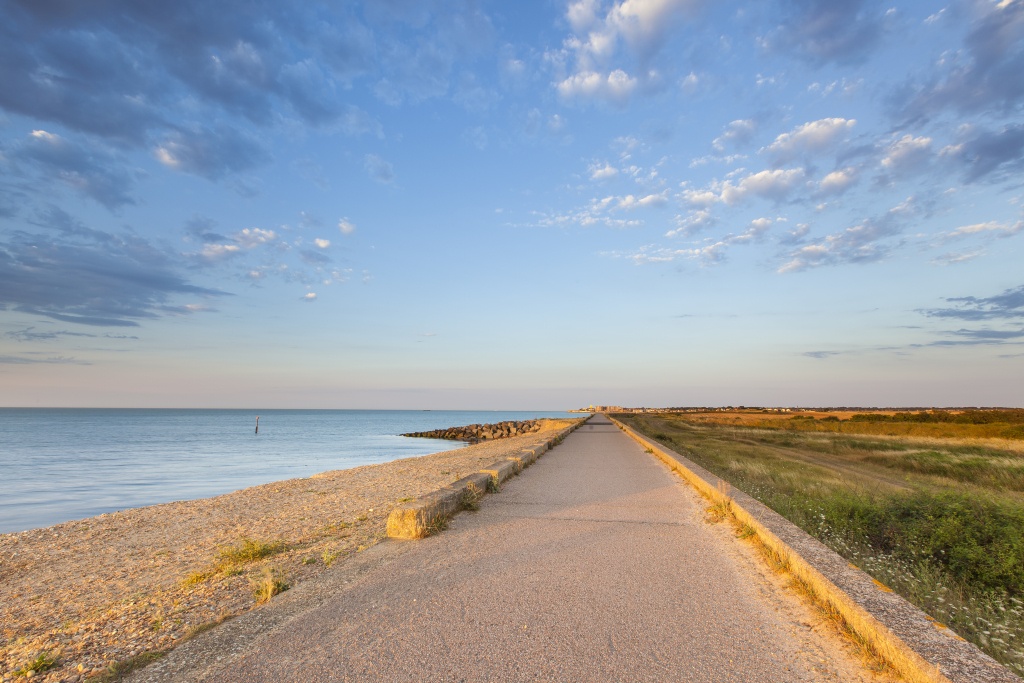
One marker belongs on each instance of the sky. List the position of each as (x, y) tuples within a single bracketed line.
[(531, 205)]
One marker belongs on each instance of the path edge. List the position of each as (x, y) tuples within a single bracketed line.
[(430, 513), (919, 648)]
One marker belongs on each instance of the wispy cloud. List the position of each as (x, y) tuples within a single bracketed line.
[(379, 169), (41, 360), (823, 31), (90, 277), (1006, 306)]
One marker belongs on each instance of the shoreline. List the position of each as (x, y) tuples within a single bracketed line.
[(109, 588)]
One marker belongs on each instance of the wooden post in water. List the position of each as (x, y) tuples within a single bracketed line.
[(257, 424)]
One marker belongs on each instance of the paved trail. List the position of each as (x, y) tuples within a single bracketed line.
[(593, 565)]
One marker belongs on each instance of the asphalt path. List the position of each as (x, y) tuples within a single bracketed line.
[(595, 564)]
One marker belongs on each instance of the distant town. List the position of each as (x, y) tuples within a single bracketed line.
[(761, 409)]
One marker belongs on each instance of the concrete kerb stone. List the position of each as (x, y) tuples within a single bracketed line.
[(501, 471), (428, 513), (913, 643)]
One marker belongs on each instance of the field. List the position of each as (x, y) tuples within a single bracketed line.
[(938, 516)]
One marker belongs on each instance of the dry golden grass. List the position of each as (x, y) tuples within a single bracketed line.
[(839, 422)]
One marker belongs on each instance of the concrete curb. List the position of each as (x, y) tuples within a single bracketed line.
[(429, 513), (913, 643)]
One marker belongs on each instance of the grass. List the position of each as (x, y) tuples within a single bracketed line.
[(269, 584), (44, 661), (232, 559), (436, 525), (246, 551), (940, 522), (966, 424), (118, 671), (329, 556), (471, 498)]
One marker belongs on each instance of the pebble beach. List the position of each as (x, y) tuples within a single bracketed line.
[(95, 593)]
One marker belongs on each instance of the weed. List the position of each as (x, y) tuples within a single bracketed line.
[(493, 485), (745, 531), (407, 499), (471, 498), (362, 518), (329, 556), (270, 583), (246, 551), (436, 525), (195, 578), (44, 661), (309, 560), (118, 671), (721, 508)]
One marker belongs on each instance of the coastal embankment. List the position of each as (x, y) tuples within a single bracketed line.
[(81, 597)]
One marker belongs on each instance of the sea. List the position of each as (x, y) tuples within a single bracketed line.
[(58, 465)]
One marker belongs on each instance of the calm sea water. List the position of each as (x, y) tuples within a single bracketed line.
[(62, 464)]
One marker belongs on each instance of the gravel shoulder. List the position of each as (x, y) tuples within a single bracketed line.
[(103, 590)]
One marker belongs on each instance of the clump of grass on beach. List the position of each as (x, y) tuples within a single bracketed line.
[(248, 550), (44, 661), (231, 559), (269, 584)]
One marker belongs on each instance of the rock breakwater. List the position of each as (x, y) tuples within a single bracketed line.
[(476, 433)]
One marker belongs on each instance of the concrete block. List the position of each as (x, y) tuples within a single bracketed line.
[(424, 515), (519, 461), (501, 470), (421, 516)]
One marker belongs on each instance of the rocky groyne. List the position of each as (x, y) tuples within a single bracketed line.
[(476, 433)]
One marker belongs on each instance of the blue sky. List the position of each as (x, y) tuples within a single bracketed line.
[(528, 205)]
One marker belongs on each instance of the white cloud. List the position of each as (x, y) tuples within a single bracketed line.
[(991, 228), (346, 226), (954, 258), (907, 153), (630, 29), (643, 22), (254, 237), (694, 222), (837, 182), (617, 86), (322, 243), (710, 253), (813, 136), (599, 172), (774, 184), (632, 202), (309, 296), (700, 197), (690, 83), (213, 252), (582, 15)]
